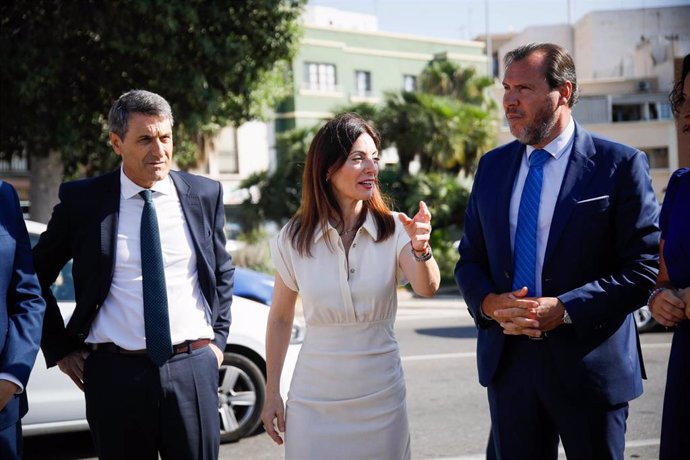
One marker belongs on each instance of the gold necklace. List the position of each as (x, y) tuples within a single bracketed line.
[(345, 232)]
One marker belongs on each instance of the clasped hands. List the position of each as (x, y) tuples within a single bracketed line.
[(671, 306), (521, 315)]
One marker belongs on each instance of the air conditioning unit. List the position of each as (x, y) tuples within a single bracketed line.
[(643, 85)]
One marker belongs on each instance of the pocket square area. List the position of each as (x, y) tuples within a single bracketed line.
[(596, 198)]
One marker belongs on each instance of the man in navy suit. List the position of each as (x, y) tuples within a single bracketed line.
[(558, 349), (21, 316), (144, 398)]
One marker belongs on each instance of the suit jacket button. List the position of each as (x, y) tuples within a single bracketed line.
[(507, 275)]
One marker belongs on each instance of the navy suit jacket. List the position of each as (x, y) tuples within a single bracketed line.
[(83, 227), (601, 261), (21, 305)]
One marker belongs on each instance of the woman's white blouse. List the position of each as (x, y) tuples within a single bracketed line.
[(335, 288)]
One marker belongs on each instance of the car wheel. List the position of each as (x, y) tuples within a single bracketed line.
[(644, 320), (241, 395)]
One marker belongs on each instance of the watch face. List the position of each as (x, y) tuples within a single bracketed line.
[(566, 318)]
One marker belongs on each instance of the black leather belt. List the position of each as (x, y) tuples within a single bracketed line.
[(184, 347)]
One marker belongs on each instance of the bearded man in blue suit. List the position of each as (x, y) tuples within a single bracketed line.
[(21, 317), (552, 283)]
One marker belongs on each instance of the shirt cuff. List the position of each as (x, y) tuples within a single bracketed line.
[(483, 315), (13, 379)]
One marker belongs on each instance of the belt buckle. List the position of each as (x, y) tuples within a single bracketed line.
[(189, 346), (541, 337), (183, 347)]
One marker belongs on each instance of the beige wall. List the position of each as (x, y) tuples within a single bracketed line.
[(560, 34), (615, 86), (605, 41)]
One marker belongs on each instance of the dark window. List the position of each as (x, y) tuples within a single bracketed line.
[(362, 83), (626, 112), (319, 76), (658, 157), (409, 83)]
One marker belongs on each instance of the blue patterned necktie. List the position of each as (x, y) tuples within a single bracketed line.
[(525, 250), (156, 322)]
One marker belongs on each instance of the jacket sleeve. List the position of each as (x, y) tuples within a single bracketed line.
[(25, 306), (472, 272), (224, 272), (50, 256)]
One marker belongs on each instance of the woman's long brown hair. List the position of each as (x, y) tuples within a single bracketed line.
[(328, 152)]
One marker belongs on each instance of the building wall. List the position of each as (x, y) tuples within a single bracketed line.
[(387, 57), (560, 34), (605, 41), (236, 153)]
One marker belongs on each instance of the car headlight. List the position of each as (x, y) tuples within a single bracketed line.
[(297, 333)]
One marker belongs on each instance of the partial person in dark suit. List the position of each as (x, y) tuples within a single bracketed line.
[(670, 300), (151, 319), (21, 317), (552, 283)]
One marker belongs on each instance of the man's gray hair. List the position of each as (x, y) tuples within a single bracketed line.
[(136, 101)]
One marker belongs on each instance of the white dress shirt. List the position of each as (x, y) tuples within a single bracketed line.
[(554, 170), (121, 317)]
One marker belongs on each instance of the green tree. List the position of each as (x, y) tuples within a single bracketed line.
[(442, 77), (64, 62), (405, 125), (463, 112)]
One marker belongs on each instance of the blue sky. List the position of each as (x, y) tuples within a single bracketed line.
[(465, 19)]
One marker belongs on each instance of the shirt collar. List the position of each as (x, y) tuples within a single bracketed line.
[(560, 144), (129, 189), (369, 226)]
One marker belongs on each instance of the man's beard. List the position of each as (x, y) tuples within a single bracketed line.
[(544, 123)]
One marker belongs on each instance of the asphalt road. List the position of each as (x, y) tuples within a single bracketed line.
[(447, 407)]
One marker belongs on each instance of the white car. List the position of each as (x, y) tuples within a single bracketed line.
[(57, 405)]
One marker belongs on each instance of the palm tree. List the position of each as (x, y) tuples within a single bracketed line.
[(461, 108), (446, 78)]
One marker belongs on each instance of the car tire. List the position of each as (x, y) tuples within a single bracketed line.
[(241, 396), (644, 320)]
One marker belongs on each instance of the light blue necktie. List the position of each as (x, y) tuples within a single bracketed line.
[(156, 322), (525, 247)]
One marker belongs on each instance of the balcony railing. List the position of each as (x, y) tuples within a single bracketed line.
[(17, 164)]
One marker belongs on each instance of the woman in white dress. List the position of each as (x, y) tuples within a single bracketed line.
[(345, 253)]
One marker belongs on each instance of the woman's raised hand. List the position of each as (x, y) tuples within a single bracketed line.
[(418, 228)]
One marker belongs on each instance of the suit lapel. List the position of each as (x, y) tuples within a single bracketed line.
[(577, 177), (504, 192), (191, 208), (110, 211)]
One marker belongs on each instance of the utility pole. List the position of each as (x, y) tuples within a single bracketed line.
[(487, 37)]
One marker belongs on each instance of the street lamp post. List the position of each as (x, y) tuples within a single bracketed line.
[(487, 37)]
